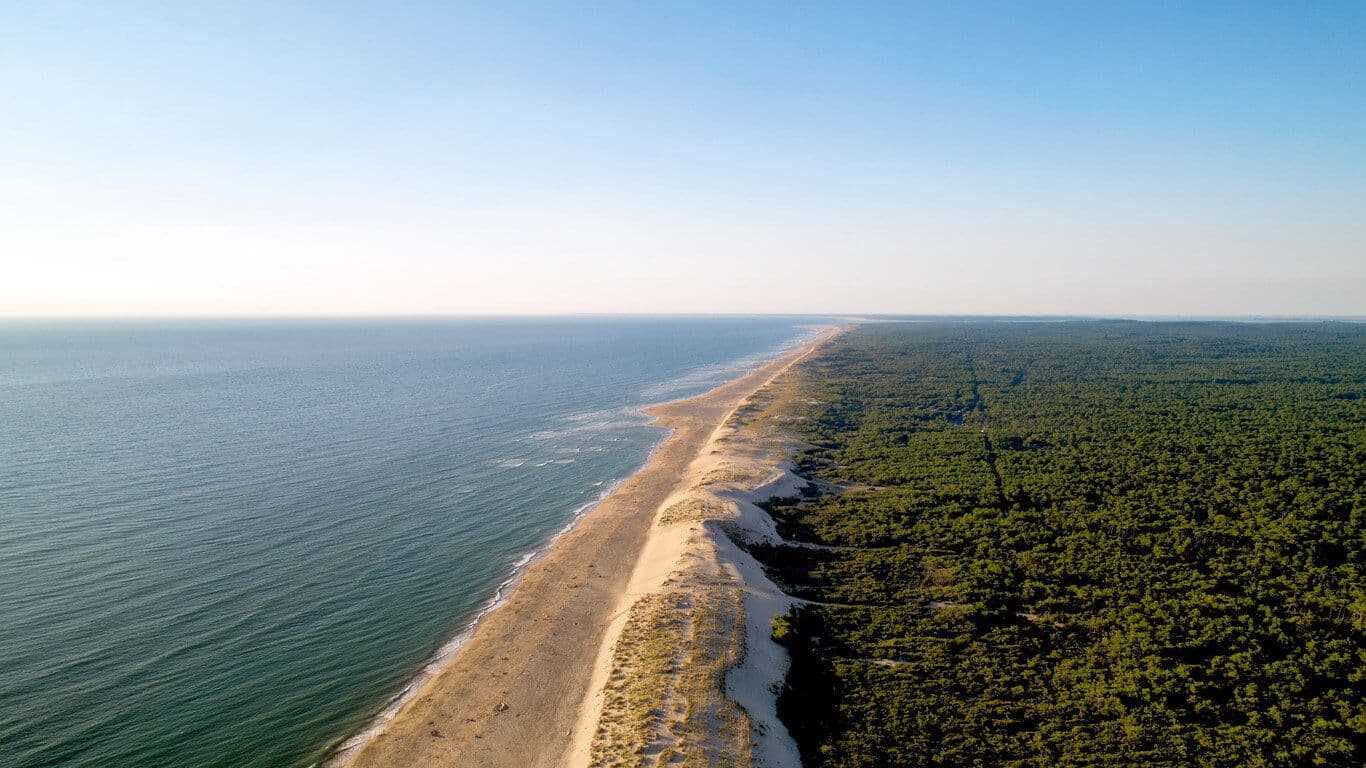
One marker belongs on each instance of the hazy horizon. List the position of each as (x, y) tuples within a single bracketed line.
[(815, 317), (434, 159)]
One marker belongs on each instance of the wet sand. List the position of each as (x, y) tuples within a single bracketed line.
[(512, 695)]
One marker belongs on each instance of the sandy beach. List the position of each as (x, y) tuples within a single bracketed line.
[(527, 688)]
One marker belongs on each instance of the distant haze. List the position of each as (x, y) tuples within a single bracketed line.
[(435, 158)]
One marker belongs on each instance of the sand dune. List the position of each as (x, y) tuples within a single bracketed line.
[(527, 689)]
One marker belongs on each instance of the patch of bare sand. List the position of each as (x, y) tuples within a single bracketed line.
[(686, 673), (526, 687)]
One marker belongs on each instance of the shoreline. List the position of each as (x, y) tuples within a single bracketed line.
[(340, 753), (396, 732), (688, 670)]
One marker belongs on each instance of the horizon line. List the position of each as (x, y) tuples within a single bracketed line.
[(842, 316)]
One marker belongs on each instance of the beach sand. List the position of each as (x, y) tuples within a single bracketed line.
[(527, 688)]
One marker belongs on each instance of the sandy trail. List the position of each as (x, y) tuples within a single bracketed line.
[(513, 695)]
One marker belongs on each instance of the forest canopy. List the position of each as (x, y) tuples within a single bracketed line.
[(1079, 544)]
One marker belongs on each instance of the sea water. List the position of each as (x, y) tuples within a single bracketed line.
[(231, 543)]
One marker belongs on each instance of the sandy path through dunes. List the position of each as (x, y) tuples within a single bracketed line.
[(524, 672)]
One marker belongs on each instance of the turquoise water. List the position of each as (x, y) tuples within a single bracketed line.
[(231, 543)]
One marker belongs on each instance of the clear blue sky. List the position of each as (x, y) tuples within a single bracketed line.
[(336, 158)]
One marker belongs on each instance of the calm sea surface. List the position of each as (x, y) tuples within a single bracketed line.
[(231, 543)]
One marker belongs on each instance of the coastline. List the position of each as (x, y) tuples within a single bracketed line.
[(688, 671), (343, 751), (511, 688)]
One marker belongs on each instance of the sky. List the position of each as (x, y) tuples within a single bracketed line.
[(406, 158)]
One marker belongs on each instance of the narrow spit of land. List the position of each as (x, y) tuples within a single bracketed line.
[(513, 695)]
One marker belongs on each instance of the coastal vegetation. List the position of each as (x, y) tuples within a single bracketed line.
[(1079, 544), (662, 704)]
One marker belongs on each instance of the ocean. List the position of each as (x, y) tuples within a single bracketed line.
[(232, 543)]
